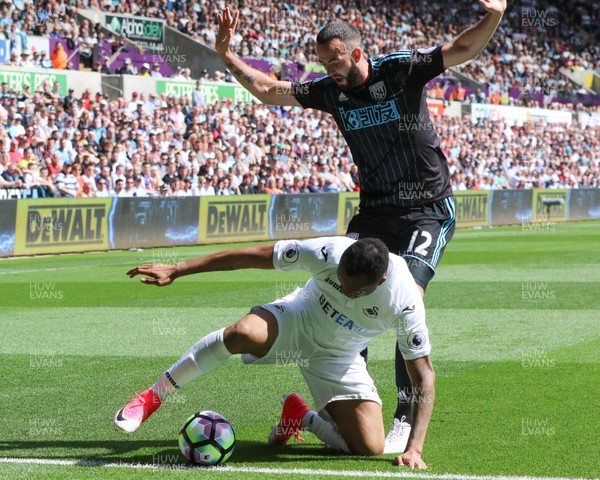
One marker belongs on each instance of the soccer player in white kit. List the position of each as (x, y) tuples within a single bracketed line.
[(357, 292)]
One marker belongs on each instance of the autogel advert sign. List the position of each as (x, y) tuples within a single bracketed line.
[(212, 91), (143, 31)]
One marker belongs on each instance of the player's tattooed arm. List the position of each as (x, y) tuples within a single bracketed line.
[(259, 84), (239, 74), (470, 43)]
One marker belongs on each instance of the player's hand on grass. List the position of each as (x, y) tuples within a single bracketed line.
[(157, 274), (411, 459), (227, 24)]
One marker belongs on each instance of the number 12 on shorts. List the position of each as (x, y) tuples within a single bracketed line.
[(424, 242)]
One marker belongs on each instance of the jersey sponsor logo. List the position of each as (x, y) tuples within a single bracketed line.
[(416, 340), (324, 252), (292, 253), (370, 116), (334, 284), (371, 312), (339, 317), (378, 91)]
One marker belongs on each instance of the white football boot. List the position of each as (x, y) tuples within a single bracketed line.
[(397, 437)]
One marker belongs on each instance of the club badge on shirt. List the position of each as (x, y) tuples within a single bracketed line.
[(378, 91)]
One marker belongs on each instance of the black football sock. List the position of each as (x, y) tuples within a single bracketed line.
[(404, 407), (365, 355)]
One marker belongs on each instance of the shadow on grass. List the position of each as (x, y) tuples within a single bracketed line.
[(164, 453)]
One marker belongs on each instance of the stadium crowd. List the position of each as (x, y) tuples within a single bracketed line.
[(167, 146), (541, 36), (538, 37)]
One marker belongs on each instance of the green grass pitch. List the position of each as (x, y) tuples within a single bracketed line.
[(514, 317)]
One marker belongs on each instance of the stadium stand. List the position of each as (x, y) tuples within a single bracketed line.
[(163, 145)]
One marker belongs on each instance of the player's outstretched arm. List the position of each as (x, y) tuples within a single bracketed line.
[(263, 87), (473, 40), (161, 275), (423, 381)]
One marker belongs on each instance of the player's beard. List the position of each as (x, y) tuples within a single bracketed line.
[(351, 78)]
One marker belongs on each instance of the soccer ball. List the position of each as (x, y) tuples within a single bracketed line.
[(207, 438)]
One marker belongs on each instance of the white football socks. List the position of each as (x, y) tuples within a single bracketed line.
[(205, 355), (325, 431)]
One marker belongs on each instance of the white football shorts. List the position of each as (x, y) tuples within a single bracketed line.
[(330, 376)]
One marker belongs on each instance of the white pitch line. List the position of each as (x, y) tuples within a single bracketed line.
[(276, 471), (50, 269)]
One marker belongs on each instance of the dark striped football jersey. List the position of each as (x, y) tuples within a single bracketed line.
[(387, 126)]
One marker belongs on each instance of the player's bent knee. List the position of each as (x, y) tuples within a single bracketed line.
[(252, 334), (367, 447), (238, 336)]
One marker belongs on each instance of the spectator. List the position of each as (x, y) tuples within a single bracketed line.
[(155, 73), (15, 128), (106, 176), (204, 188), (271, 187), (296, 186), (145, 70), (102, 190), (86, 44), (43, 182), (179, 74), (105, 68), (66, 183), (127, 68), (12, 177), (139, 190), (59, 57), (87, 191), (171, 174), (198, 97), (460, 93), (118, 192), (14, 59), (26, 60), (129, 190), (164, 191), (246, 187), (155, 179), (89, 175)]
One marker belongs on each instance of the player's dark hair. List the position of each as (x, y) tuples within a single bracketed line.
[(367, 257), (341, 30)]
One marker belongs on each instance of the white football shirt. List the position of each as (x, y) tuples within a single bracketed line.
[(347, 324)]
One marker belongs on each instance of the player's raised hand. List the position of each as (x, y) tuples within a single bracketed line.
[(494, 6), (411, 459), (227, 24), (157, 274)]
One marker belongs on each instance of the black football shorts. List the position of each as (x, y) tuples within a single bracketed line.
[(419, 234)]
